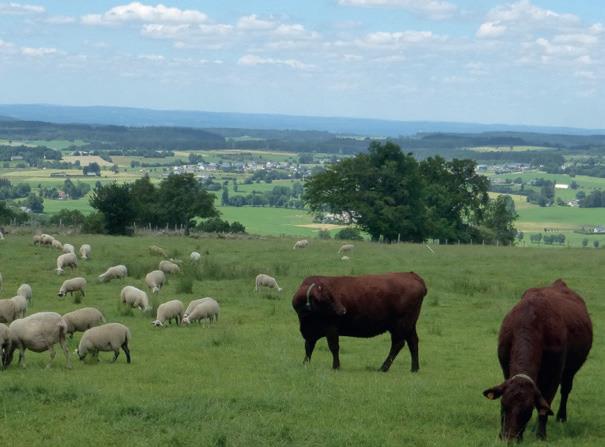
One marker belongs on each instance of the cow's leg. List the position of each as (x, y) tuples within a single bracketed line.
[(332, 337), (412, 340), (397, 342), (566, 386), (309, 346)]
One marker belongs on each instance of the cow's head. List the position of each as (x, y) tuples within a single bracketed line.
[(320, 298), (520, 396)]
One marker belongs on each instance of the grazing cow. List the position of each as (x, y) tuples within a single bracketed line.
[(360, 306), (543, 341)]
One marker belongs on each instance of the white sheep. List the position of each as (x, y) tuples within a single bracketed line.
[(26, 291), (56, 243), (85, 251), (108, 337), (158, 251), (81, 319), (66, 260), (208, 309), (195, 256), (20, 303), (8, 312), (194, 303), (135, 298), (345, 258), (114, 272), (37, 239), (72, 285), (39, 332), (167, 311), (346, 248), (68, 248), (155, 280), (4, 341), (301, 244), (169, 267), (47, 240), (263, 280)]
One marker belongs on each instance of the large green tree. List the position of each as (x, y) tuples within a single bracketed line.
[(115, 203)]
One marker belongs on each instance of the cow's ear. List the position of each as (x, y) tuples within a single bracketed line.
[(494, 392), (542, 406)]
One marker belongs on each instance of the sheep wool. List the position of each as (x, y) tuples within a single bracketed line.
[(105, 338)]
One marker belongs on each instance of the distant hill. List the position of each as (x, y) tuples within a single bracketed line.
[(125, 116)]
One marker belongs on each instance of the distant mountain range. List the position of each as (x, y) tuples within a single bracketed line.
[(126, 116)]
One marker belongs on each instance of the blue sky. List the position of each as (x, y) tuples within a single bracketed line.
[(520, 62)]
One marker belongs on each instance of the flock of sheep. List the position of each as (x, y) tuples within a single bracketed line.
[(41, 331)]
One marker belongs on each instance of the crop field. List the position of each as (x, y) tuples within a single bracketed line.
[(241, 381)]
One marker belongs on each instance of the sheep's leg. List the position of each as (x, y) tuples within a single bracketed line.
[(116, 353), (66, 352), (53, 353), (22, 357), (126, 351)]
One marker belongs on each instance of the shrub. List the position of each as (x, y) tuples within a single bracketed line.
[(350, 234), (68, 217), (94, 223), (217, 225)]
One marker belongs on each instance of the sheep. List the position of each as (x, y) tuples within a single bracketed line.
[(208, 309), (38, 332), (20, 303), (195, 256), (8, 312), (68, 248), (263, 280), (346, 248), (345, 258), (115, 272), (301, 244), (135, 298), (37, 239), (81, 319), (66, 260), (26, 291), (108, 337), (4, 341), (73, 285), (194, 303), (158, 251), (46, 240), (85, 250), (56, 243), (155, 280), (167, 311), (169, 267)]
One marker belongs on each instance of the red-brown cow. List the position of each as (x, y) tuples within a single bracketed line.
[(360, 306), (543, 342)]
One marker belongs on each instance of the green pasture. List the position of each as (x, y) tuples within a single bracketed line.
[(52, 144), (241, 382), (271, 221)]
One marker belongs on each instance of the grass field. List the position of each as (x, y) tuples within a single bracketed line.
[(270, 221), (241, 382), (509, 148)]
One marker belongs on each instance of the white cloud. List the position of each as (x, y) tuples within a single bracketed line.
[(489, 30), (38, 52), (382, 39), (252, 60), (60, 20), (253, 23), (294, 31), (138, 12), (588, 75), (434, 9), (18, 9), (159, 31), (152, 57), (525, 12)]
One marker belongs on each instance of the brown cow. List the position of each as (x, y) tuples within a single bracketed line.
[(544, 340), (360, 306)]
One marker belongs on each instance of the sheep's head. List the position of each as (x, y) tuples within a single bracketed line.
[(155, 290), (60, 271), (185, 321), (61, 293), (157, 323)]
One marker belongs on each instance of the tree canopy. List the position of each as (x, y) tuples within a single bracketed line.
[(389, 194)]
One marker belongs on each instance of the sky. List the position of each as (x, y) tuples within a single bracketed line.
[(527, 62)]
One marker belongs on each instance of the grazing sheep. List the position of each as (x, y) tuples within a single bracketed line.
[(26, 291), (135, 298), (68, 248), (4, 341), (39, 332), (169, 267), (20, 303), (56, 243), (167, 311), (8, 312), (158, 251), (345, 258), (346, 248), (115, 272), (46, 240), (81, 319), (108, 337), (85, 251), (194, 303), (66, 260), (208, 309), (155, 280), (37, 238), (263, 280), (195, 256), (73, 285), (301, 244)]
